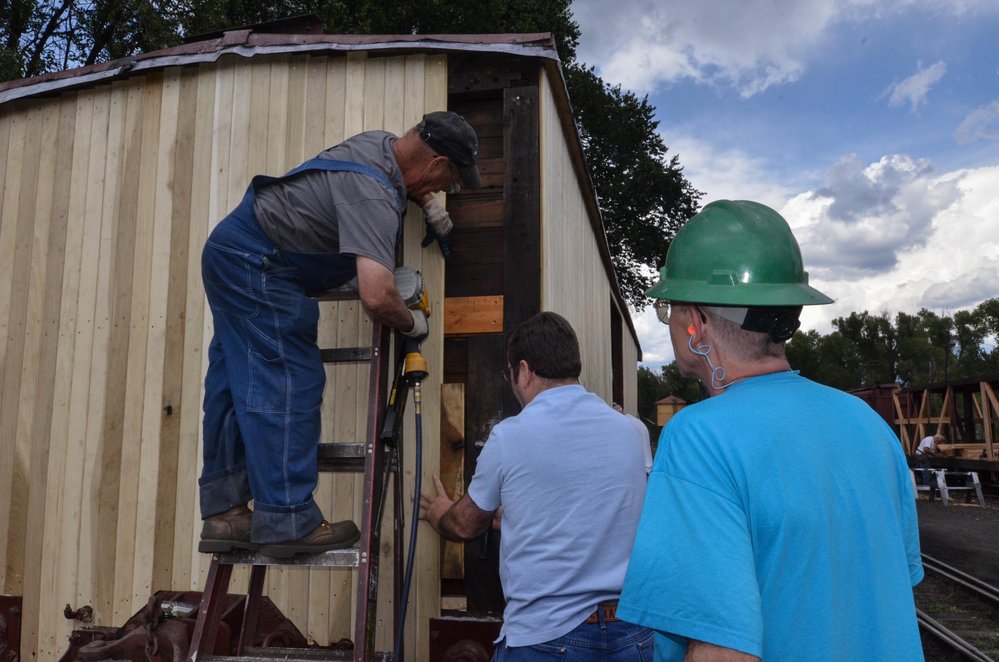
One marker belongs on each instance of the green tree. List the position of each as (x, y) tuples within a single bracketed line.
[(874, 344), (643, 194)]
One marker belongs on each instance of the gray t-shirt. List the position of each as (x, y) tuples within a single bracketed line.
[(320, 211), (569, 473)]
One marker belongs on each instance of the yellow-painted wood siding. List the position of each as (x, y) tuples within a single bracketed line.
[(574, 283), (107, 195)]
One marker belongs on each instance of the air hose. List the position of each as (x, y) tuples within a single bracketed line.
[(416, 370)]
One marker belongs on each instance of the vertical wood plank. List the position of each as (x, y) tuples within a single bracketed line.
[(188, 518), (452, 470), (31, 445), (169, 480), (11, 312), (522, 219), (136, 393), (62, 503), (66, 236), (86, 371), (93, 556), (102, 489)]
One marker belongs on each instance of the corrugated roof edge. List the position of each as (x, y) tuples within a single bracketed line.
[(247, 43)]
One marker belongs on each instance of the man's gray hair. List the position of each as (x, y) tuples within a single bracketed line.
[(746, 345)]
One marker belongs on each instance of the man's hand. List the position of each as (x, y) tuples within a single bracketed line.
[(433, 506), (454, 520), (444, 243), (437, 217), (421, 328)]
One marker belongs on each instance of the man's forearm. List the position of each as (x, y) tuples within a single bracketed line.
[(449, 526)]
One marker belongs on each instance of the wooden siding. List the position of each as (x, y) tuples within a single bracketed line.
[(574, 284), (106, 197)]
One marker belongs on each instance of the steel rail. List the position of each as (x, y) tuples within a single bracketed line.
[(950, 638), (964, 579)]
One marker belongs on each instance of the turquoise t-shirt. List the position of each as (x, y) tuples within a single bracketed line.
[(779, 521)]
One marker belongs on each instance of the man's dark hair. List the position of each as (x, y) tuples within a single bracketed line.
[(548, 344)]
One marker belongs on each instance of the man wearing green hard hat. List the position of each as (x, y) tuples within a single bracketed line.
[(779, 519)]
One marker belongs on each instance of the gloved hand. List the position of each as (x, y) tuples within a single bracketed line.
[(421, 329), (437, 217), (443, 242)]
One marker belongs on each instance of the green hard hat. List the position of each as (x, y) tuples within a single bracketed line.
[(736, 253)]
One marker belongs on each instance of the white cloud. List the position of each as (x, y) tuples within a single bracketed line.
[(657, 349), (749, 46), (914, 89), (982, 122), (727, 173), (865, 216), (952, 266), (934, 245)]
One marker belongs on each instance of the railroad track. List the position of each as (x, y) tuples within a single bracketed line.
[(965, 630)]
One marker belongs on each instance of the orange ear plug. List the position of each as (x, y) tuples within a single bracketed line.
[(690, 329)]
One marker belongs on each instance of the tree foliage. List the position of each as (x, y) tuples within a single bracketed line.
[(643, 194), (867, 349)]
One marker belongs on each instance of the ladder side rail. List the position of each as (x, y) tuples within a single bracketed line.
[(373, 496), (210, 611)]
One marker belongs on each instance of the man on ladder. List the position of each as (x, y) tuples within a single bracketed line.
[(332, 219)]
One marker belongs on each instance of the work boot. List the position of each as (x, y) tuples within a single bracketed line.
[(227, 531), (323, 538)]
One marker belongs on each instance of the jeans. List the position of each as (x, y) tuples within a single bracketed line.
[(615, 641), (264, 385)]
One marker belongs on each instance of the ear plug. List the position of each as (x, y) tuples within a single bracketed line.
[(691, 330)]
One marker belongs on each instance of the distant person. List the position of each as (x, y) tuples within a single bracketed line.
[(928, 448), (752, 544), (929, 445), (568, 473), (643, 432)]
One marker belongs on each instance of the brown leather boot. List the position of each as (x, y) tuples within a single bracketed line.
[(323, 538), (227, 531)]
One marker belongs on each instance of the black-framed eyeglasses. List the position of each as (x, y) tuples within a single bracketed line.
[(662, 310), (506, 374)]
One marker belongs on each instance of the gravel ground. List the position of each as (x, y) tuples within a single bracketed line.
[(964, 536)]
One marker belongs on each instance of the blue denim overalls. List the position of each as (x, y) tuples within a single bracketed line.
[(265, 379)]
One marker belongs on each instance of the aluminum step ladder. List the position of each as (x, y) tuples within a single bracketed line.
[(378, 458), (969, 484)]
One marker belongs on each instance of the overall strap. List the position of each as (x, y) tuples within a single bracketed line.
[(350, 166)]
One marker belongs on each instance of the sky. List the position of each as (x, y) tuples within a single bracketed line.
[(872, 126)]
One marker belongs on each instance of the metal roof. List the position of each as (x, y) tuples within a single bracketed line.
[(247, 42)]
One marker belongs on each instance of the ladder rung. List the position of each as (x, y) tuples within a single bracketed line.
[(345, 354), (341, 457), (292, 655), (337, 558)]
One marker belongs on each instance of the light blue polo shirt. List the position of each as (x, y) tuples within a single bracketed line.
[(570, 475), (780, 521)]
